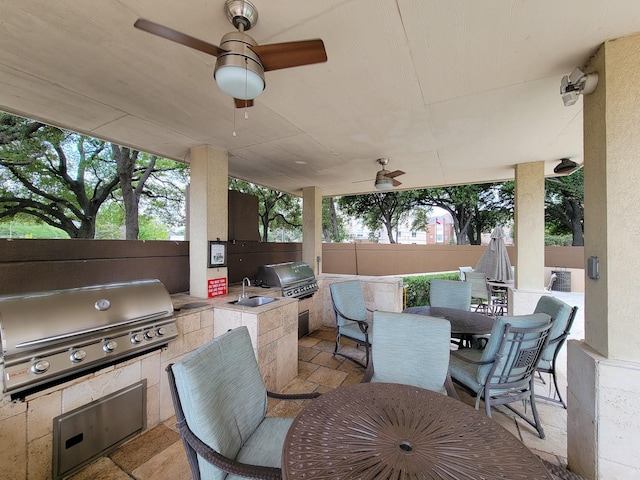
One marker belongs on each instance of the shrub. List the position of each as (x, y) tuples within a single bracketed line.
[(418, 287)]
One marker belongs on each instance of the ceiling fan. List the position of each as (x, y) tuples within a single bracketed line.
[(385, 179), (239, 70)]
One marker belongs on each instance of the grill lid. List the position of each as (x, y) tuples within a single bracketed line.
[(284, 274), (38, 320)]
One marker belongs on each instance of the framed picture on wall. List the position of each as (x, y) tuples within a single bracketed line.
[(217, 253)]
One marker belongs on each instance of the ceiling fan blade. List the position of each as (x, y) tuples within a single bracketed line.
[(240, 103), (291, 54), (395, 173), (178, 37), (395, 182)]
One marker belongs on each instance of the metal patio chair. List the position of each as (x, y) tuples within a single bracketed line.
[(562, 317), (411, 349), (220, 402), (503, 372), (352, 319)]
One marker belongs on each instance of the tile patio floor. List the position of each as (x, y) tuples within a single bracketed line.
[(159, 454)]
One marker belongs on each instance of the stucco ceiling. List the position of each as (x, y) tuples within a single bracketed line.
[(455, 91)]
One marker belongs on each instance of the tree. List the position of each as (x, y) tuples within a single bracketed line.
[(564, 206), (137, 173), (275, 209), (380, 209), (333, 229), (474, 208), (50, 181), (63, 178)]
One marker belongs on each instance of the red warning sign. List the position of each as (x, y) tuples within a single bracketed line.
[(217, 287)]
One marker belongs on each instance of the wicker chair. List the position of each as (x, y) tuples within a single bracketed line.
[(220, 402), (503, 372), (411, 349), (351, 317), (562, 317)]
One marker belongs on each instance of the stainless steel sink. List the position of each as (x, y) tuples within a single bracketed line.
[(254, 301)]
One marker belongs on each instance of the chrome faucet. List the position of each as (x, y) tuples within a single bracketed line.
[(245, 295)]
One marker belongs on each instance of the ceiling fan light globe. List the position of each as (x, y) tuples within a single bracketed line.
[(383, 182), (239, 72), (239, 82)]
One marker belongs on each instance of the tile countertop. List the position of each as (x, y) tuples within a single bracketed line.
[(183, 301)]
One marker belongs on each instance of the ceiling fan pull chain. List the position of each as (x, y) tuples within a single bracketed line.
[(234, 122), (246, 81)]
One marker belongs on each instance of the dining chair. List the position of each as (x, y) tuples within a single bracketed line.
[(352, 318), (220, 402), (479, 290), (503, 372), (450, 294), (411, 349), (463, 272), (562, 317)]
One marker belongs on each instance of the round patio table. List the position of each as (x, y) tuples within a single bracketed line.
[(463, 322), (393, 431)]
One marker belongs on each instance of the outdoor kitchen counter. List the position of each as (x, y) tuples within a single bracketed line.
[(273, 328)]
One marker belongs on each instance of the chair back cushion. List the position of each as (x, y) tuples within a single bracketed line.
[(463, 272), (348, 299), (450, 294), (560, 312), (411, 349), (222, 394), (478, 281), (495, 340)]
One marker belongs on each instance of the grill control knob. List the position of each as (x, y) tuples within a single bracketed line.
[(137, 338), (77, 356), (40, 366), (110, 346), (148, 334), (161, 331)]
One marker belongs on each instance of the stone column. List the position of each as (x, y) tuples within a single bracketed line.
[(604, 369), (208, 213), (529, 227), (312, 227)]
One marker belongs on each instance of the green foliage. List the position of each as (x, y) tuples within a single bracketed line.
[(63, 179), (475, 209), (23, 228), (333, 224), (558, 240), (418, 287), (564, 206), (380, 209)]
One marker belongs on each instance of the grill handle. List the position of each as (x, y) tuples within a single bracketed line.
[(64, 336)]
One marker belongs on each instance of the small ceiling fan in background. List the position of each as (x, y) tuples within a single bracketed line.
[(385, 179), (239, 70)]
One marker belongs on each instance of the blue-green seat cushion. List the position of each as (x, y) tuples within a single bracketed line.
[(475, 376), (224, 398), (264, 447), (352, 330), (411, 349)]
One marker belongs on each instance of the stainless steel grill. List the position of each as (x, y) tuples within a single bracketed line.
[(48, 337), (296, 279)]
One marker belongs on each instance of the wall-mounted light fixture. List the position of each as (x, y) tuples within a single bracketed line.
[(576, 83), (565, 166)]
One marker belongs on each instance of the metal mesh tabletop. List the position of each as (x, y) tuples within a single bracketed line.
[(384, 430), (462, 321)]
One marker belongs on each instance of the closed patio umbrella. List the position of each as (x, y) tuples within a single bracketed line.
[(495, 263)]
